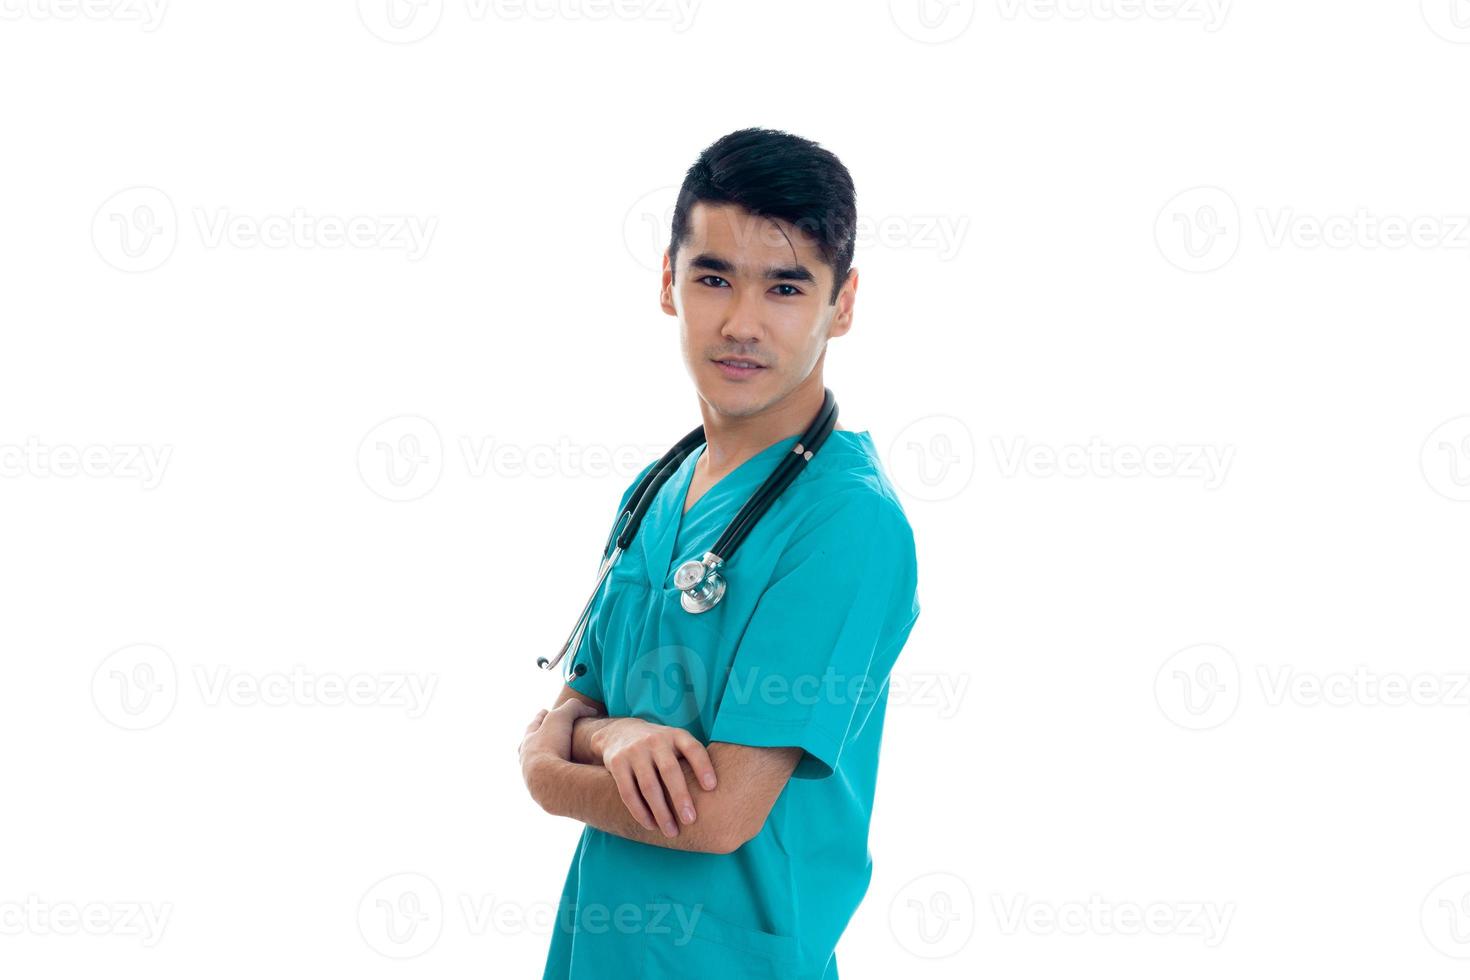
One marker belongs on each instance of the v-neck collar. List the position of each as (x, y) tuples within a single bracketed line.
[(667, 511)]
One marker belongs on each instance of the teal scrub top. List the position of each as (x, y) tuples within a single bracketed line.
[(821, 597)]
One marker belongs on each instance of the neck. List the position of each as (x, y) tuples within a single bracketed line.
[(731, 440)]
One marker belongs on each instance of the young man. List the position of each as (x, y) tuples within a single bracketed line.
[(725, 762)]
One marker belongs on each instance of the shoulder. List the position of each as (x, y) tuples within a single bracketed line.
[(845, 484)]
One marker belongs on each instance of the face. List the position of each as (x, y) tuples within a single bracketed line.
[(754, 290)]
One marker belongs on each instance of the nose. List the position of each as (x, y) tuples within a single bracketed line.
[(743, 324)]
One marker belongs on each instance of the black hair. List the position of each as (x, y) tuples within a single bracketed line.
[(776, 175)]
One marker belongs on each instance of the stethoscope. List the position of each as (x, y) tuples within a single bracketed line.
[(699, 581)]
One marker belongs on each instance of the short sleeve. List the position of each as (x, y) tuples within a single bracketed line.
[(825, 634), (588, 652)]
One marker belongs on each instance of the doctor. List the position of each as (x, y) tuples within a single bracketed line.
[(725, 763)]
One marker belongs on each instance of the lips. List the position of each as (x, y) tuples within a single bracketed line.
[(738, 368)]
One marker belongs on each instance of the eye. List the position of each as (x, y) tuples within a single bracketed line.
[(703, 278), (787, 285)]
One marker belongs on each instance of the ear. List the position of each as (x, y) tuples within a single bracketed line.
[(846, 297), (666, 289)]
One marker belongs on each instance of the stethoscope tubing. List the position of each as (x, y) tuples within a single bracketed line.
[(631, 517)]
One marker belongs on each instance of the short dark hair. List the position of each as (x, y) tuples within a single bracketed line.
[(776, 175)]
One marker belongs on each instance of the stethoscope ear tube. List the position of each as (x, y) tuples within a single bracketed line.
[(787, 471), (642, 498), (705, 585)]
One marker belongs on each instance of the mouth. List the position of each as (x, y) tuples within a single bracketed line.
[(739, 367)]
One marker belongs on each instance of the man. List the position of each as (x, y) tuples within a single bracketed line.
[(725, 762)]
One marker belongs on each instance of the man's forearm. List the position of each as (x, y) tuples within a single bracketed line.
[(588, 793), (583, 749)]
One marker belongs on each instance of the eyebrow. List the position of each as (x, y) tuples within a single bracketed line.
[(713, 263)]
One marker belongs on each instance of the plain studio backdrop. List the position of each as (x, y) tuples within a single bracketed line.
[(330, 337)]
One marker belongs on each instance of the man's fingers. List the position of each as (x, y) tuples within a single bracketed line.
[(693, 750), (678, 789), (536, 722), (653, 794), (632, 797)]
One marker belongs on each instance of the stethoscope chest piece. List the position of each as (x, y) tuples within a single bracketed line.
[(700, 583)]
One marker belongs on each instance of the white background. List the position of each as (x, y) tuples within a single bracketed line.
[(1098, 224)]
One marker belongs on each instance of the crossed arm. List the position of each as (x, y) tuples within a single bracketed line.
[(730, 788)]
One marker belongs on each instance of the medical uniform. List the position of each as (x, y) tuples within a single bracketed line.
[(821, 597)]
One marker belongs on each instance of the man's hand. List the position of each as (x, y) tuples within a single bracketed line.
[(549, 735), (644, 760)]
